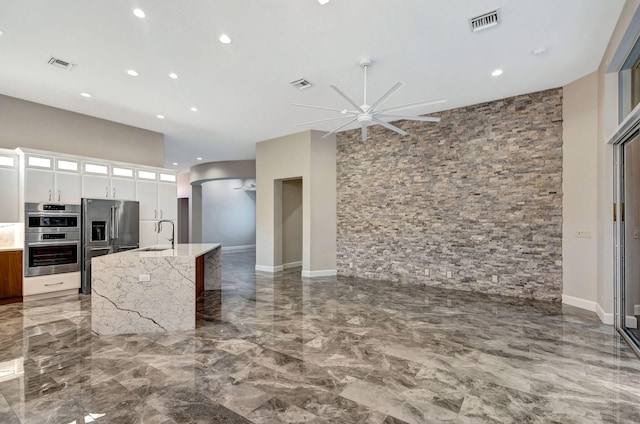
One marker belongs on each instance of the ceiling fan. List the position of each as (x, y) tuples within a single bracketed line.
[(369, 115), (248, 187)]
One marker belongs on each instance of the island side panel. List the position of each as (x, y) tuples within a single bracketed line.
[(199, 276), (121, 304), (213, 269)]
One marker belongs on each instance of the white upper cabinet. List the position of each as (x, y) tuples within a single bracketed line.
[(147, 195), (95, 181), (9, 186), (95, 187), (168, 201), (99, 183), (49, 179), (158, 200), (123, 189), (67, 188)]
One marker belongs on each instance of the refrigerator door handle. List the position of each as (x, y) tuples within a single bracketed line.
[(115, 221), (111, 223)]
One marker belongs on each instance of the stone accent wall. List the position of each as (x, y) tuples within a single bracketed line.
[(471, 203)]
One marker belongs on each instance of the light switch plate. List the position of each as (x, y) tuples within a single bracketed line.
[(144, 277), (583, 234)]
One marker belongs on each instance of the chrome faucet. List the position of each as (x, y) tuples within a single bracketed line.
[(173, 230)]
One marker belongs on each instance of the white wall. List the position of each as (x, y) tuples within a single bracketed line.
[(308, 156), (228, 215), (607, 125), (580, 192), (579, 132), (36, 126)]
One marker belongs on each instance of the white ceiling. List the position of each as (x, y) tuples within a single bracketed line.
[(242, 89)]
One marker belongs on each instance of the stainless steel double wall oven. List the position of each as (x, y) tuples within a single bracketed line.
[(52, 239)]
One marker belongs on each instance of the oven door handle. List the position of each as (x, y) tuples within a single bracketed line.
[(45, 243)]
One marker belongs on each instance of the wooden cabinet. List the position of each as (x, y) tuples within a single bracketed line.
[(10, 276)]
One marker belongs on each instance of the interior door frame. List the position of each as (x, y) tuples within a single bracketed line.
[(633, 134)]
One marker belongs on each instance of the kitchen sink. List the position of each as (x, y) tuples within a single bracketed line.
[(154, 249)]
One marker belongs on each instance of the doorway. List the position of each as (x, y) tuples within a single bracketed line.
[(292, 223), (628, 234)]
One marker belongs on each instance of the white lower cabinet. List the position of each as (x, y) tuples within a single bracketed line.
[(50, 283)]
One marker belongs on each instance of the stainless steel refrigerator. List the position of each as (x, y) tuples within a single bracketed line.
[(108, 226)]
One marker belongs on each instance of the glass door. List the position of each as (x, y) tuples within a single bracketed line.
[(628, 219)]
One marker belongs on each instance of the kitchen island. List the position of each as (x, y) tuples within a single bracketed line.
[(152, 289)]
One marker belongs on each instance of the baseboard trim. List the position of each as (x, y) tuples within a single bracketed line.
[(319, 273), (296, 264), (579, 303), (589, 305), (267, 268), (631, 322), (48, 295), (605, 317), (238, 248)]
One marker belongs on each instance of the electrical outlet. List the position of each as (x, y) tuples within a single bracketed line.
[(449, 274), (350, 264), (494, 278), (583, 234), (427, 272), (636, 234), (144, 277)]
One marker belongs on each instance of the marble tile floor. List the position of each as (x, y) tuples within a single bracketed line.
[(278, 349)]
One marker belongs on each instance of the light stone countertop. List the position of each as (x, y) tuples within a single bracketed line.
[(187, 250), (10, 248)]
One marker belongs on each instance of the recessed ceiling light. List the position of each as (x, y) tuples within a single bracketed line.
[(175, 163), (496, 73), (139, 13), (199, 158), (173, 75), (225, 39), (194, 109), (323, 2), (1, 32), (160, 116), (85, 94), (133, 72)]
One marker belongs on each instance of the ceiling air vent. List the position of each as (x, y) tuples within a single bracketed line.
[(59, 63), (301, 84), (484, 21)]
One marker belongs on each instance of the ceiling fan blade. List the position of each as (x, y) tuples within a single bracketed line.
[(364, 133), (410, 105), (339, 128), (347, 98), (409, 117), (325, 120), (390, 127), (386, 95), (324, 108)]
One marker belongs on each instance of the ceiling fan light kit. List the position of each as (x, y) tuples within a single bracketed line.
[(368, 115)]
